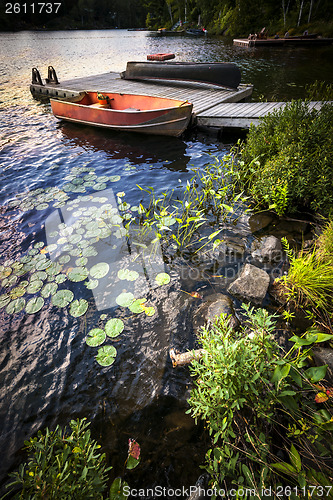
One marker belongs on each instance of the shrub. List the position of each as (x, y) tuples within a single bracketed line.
[(260, 409), (286, 162)]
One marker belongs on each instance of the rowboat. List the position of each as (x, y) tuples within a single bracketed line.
[(126, 112), (218, 73)]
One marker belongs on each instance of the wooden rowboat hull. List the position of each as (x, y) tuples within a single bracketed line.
[(221, 74), (127, 112)]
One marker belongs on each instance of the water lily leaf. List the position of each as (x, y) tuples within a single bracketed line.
[(63, 259), (81, 261), (4, 300), (42, 206), (91, 284), (78, 274), (49, 289), (60, 278), (99, 186), (43, 263), (10, 281), (78, 308), (89, 252), (125, 299), (38, 275), (15, 306), (54, 268), (106, 355), (114, 327), (16, 292), (150, 311), (126, 274), (96, 337), (34, 305), (62, 298), (34, 286), (5, 272), (50, 248), (39, 244), (162, 279), (114, 178), (137, 306), (99, 270)]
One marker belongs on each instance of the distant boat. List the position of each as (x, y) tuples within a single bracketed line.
[(126, 112), (218, 73), (195, 32)]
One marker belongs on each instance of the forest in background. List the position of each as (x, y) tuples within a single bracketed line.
[(224, 17)]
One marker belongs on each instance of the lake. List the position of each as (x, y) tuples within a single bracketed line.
[(60, 192)]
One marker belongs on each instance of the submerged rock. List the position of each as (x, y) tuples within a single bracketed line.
[(260, 221), (214, 305), (251, 285), (267, 249)]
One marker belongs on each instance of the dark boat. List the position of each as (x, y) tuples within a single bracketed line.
[(195, 32), (219, 73)]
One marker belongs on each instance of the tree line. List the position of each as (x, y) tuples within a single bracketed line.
[(230, 17)]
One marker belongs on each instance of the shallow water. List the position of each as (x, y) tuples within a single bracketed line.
[(60, 181)]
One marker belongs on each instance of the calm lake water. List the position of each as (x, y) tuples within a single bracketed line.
[(57, 183)]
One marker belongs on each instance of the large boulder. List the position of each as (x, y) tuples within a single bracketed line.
[(251, 285), (213, 306)]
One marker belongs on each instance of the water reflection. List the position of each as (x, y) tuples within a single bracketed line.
[(136, 148)]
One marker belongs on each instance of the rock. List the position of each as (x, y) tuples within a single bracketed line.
[(251, 285), (235, 246), (324, 356), (267, 249), (214, 305), (260, 221)]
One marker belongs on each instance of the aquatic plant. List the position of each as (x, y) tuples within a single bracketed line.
[(308, 285), (68, 465), (259, 407), (185, 221), (286, 161)]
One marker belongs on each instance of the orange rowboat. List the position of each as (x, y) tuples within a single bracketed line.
[(127, 112)]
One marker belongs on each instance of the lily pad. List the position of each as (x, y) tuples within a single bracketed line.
[(114, 327), (162, 279), (106, 355), (60, 278), (4, 300), (125, 299), (78, 308), (99, 270), (15, 306), (78, 274), (16, 292), (34, 305), (62, 298), (150, 311), (114, 178), (49, 289), (95, 337), (126, 274), (137, 306), (34, 286), (91, 284)]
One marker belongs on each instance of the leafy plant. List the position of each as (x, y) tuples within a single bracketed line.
[(64, 465), (286, 160), (260, 406)]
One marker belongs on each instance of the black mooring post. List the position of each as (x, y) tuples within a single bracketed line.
[(51, 76), (36, 78)]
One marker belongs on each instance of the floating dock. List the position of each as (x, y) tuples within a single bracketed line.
[(282, 42), (213, 107)]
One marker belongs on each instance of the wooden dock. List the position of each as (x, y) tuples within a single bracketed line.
[(213, 107), (282, 42), (241, 114), (202, 96)]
